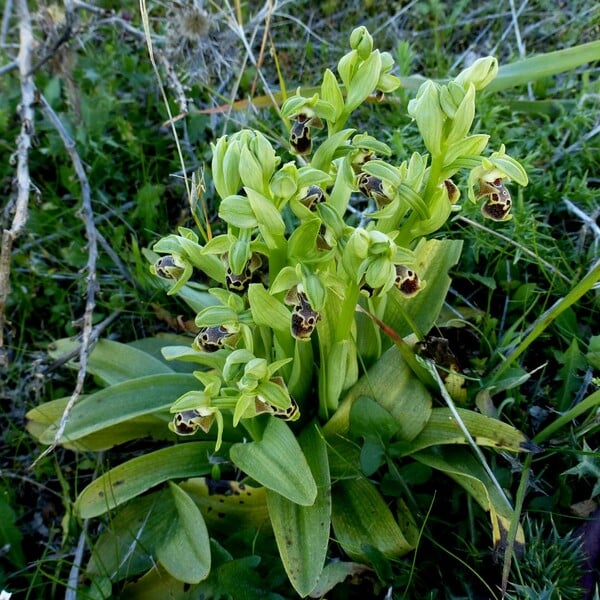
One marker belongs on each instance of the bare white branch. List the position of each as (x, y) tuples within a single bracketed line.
[(21, 207)]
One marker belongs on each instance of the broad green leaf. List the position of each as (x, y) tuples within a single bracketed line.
[(544, 65), (238, 579), (391, 383), (433, 261), (126, 548), (442, 428), (461, 466), (373, 423), (112, 362), (370, 419), (122, 402), (334, 573), (138, 475), (40, 418), (184, 549), (158, 584), (344, 457), (361, 517), (302, 532), (228, 505), (278, 463)]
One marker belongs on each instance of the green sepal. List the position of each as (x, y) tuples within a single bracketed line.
[(326, 152), (267, 310), (237, 211), (364, 81), (428, 114), (463, 118), (331, 92), (472, 145)]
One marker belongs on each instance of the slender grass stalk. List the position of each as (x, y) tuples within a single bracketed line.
[(590, 402), (172, 121), (516, 518), (542, 323)]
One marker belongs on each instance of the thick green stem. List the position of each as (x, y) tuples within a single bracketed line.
[(346, 314), (435, 170)]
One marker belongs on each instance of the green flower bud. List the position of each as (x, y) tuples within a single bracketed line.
[(380, 275), (428, 114), (481, 73), (361, 41), (347, 66), (284, 183), (380, 243)]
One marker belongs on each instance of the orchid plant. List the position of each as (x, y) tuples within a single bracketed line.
[(304, 382), (289, 271)]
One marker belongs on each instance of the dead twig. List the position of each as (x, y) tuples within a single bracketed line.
[(21, 208), (8, 7), (87, 215)]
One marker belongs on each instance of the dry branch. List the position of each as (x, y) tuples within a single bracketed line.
[(21, 207), (87, 215)]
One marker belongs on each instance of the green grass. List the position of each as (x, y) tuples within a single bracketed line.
[(104, 90)]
